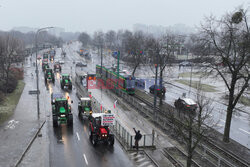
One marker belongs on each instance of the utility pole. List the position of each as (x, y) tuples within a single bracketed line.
[(37, 76), (118, 57), (156, 75)]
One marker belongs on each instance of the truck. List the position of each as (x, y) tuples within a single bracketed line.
[(61, 110)]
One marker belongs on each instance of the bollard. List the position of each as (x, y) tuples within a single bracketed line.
[(144, 142)]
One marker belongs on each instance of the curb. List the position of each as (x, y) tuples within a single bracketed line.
[(29, 145)]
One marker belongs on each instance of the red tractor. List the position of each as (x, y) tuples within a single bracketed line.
[(99, 128)]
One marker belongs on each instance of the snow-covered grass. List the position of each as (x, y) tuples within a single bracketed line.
[(8, 105), (204, 87)]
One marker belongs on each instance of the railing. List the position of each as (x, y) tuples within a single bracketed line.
[(127, 139), (121, 133)]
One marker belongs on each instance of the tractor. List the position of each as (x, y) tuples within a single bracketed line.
[(57, 67), (61, 110), (45, 56), (66, 82), (84, 107), (45, 65), (49, 75), (99, 128)]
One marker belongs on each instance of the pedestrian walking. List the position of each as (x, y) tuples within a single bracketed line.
[(137, 138)]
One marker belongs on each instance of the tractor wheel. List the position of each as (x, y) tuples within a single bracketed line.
[(55, 121), (62, 86), (70, 120), (94, 140), (70, 87), (111, 140), (45, 81), (53, 80)]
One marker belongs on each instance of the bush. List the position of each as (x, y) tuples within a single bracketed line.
[(17, 72)]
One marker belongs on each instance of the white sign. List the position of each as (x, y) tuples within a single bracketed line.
[(108, 119)]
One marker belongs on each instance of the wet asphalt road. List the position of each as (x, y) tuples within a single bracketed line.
[(71, 146)]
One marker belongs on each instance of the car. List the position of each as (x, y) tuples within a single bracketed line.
[(80, 64), (185, 104), (159, 90), (185, 63), (57, 67)]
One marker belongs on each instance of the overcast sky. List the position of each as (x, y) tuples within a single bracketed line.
[(91, 15)]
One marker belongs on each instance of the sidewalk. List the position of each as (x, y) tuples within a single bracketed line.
[(16, 133)]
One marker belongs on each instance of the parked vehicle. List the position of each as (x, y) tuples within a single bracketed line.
[(80, 64), (185, 104), (160, 90)]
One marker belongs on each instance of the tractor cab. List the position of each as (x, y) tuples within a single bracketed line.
[(84, 107), (45, 65), (61, 112), (99, 128), (57, 67), (66, 82), (49, 75)]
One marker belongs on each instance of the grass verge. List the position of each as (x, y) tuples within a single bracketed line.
[(8, 105), (194, 74), (204, 87), (243, 100)]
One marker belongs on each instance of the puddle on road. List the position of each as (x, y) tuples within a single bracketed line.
[(11, 124)]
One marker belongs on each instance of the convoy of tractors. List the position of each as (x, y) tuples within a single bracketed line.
[(99, 123)]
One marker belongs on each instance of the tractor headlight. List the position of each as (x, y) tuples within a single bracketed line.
[(63, 115), (106, 135)]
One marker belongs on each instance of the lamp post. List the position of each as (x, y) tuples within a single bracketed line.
[(37, 79)]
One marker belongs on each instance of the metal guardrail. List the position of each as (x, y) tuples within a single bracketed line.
[(120, 131)]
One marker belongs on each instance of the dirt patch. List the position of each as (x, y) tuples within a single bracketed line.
[(8, 105)]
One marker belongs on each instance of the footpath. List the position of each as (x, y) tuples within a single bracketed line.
[(20, 129)]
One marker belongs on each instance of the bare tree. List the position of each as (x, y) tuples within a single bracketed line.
[(135, 47), (110, 39), (192, 126), (230, 38), (84, 38), (10, 49), (163, 52)]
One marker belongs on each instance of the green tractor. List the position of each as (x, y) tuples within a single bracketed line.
[(66, 82), (61, 110), (49, 75), (84, 107), (45, 65)]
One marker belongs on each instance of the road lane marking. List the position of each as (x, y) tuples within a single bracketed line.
[(222, 120), (220, 125), (244, 131), (85, 159), (77, 135)]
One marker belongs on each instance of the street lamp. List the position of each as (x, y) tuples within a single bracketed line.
[(37, 80)]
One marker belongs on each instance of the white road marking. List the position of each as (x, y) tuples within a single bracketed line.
[(222, 120), (244, 131), (85, 159), (77, 135), (220, 125)]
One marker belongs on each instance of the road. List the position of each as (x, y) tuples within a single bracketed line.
[(71, 146)]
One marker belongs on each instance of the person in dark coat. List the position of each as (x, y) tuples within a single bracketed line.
[(137, 138)]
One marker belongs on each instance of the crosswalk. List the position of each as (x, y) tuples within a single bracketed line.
[(140, 159)]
